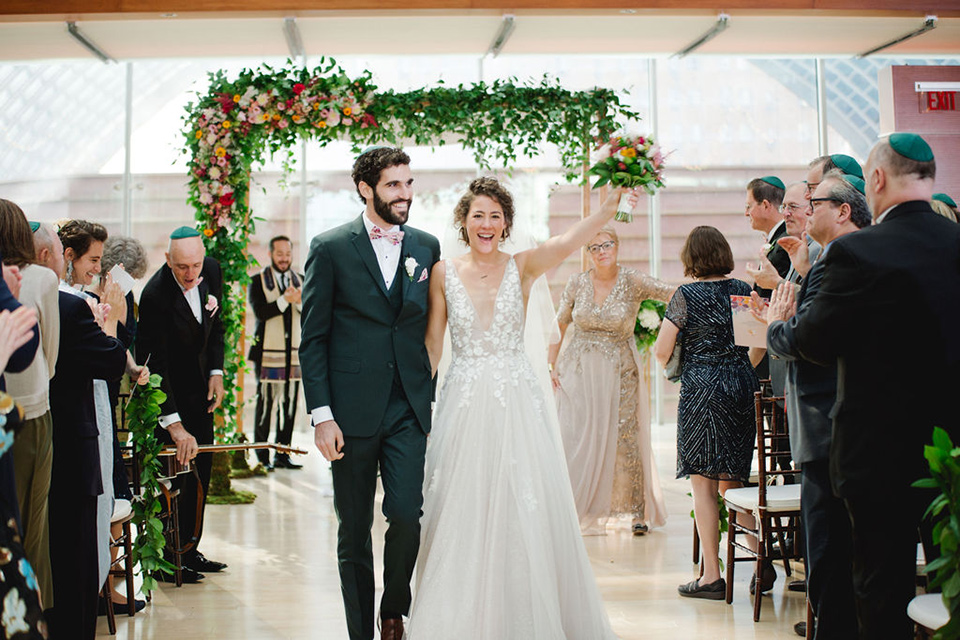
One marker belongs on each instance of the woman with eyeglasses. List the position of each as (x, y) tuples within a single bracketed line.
[(602, 402)]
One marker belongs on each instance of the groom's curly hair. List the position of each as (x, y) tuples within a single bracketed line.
[(491, 188), (371, 163)]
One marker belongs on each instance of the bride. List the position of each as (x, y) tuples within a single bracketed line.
[(501, 555)]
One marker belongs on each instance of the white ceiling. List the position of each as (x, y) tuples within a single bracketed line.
[(430, 32)]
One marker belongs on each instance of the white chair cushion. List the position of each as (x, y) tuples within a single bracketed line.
[(785, 497), (121, 510), (929, 611)]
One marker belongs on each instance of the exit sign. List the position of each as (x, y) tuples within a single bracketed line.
[(938, 101)]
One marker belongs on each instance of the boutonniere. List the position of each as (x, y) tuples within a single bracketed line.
[(767, 246), (410, 265), (212, 305)]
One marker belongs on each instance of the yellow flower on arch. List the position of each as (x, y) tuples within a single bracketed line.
[(227, 124), (199, 134), (220, 152), (236, 97), (629, 152), (347, 111), (208, 232), (321, 125)]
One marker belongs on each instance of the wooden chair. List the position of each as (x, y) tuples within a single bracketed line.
[(122, 566), (770, 502)]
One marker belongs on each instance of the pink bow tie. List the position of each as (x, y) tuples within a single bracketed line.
[(394, 237)]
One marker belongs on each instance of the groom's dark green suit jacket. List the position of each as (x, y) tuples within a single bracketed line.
[(355, 337)]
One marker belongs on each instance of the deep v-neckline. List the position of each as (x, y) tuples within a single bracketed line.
[(496, 298), (593, 290)]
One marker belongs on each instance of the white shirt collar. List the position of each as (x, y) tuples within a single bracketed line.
[(884, 214), (370, 224), (773, 231)]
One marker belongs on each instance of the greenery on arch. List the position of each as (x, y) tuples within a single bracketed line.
[(232, 127)]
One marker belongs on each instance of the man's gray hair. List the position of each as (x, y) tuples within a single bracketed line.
[(126, 251), (43, 236), (845, 192)]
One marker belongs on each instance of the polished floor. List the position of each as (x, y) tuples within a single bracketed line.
[(282, 579)]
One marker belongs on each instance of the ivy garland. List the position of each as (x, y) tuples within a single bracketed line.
[(143, 412), (232, 127)]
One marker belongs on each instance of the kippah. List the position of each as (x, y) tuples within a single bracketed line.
[(945, 199), (847, 164), (34, 226), (373, 147), (775, 181), (857, 183), (184, 232), (911, 146)]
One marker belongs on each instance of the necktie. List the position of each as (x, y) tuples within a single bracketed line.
[(394, 237)]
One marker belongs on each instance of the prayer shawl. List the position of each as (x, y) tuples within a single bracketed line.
[(273, 365)]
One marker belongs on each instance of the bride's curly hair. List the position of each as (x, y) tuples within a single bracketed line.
[(491, 188)]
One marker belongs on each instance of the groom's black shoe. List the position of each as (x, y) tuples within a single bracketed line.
[(391, 629), (283, 461)]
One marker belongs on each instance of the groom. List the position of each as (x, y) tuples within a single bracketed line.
[(367, 381)]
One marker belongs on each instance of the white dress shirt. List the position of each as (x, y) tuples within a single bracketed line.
[(388, 258)]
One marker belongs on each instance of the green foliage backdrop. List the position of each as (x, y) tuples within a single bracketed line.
[(233, 126)]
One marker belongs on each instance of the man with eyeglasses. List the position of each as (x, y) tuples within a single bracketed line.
[(836, 209), (794, 211), (885, 314), (819, 167)]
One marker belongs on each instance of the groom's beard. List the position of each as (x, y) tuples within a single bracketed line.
[(385, 211)]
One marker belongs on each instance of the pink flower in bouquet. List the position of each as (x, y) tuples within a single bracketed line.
[(324, 113), (333, 119), (283, 124), (222, 162), (223, 220), (206, 198), (347, 121)]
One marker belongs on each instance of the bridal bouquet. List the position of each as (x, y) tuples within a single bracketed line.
[(647, 326), (630, 162)]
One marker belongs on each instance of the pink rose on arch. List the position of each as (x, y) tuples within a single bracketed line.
[(206, 198), (333, 119), (223, 220), (222, 162), (283, 124), (347, 121)]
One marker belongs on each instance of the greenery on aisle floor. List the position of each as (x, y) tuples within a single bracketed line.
[(237, 122), (944, 461), (142, 412)]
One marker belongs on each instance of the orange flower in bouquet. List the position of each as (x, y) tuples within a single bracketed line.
[(629, 162)]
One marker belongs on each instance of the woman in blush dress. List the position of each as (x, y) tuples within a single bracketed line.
[(501, 555), (715, 416), (602, 400)]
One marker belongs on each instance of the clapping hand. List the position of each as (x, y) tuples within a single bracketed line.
[(292, 295), (114, 300), (16, 329), (798, 251), (766, 275), (783, 303)]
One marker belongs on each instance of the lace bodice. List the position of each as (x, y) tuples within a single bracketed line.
[(498, 350)]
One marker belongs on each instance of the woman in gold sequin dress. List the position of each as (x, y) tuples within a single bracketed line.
[(602, 401)]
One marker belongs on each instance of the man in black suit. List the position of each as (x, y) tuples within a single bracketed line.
[(811, 391), (764, 197), (886, 314), (368, 382), (275, 298), (182, 334)]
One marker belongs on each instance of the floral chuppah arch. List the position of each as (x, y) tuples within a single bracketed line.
[(231, 128)]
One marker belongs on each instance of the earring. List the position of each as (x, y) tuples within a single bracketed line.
[(69, 276)]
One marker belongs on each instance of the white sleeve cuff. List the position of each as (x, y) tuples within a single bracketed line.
[(321, 414), (216, 372), (282, 304), (166, 421)]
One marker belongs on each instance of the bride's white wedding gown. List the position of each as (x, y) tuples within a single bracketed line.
[(501, 555)]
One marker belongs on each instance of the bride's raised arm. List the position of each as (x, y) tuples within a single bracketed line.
[(533, 263), (436, 315)]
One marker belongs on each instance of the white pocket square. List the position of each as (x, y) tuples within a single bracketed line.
[(423, 275)]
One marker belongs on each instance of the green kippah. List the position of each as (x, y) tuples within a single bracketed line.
[(34, 226), (945, 199), (911, 146), (774, 181), (184, 232), (857, 183), (847, 164)]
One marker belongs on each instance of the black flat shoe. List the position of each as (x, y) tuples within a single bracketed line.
[(716, 590), (766, 582), (797, 585), (800, 629), (283, 462), (640, 529), (120, 608)]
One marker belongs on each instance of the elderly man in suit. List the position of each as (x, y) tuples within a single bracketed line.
[(811, 393), (182, 334), (275, 298), (367, 381), (902, 272)]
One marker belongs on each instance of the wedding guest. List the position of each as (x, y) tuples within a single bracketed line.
[(22, 613), (764, 197), (889, 400), (820, 166), (275, 298), (89, 352), (33, 448), (602, 400), (949, 202), (181, 332), (715, 417), (942, 208), (837, 209)]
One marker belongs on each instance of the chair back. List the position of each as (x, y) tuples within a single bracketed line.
[(774, 462)]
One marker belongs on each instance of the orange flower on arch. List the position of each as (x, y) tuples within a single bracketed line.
[(208, 232), (347, 111), (220, 152)]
